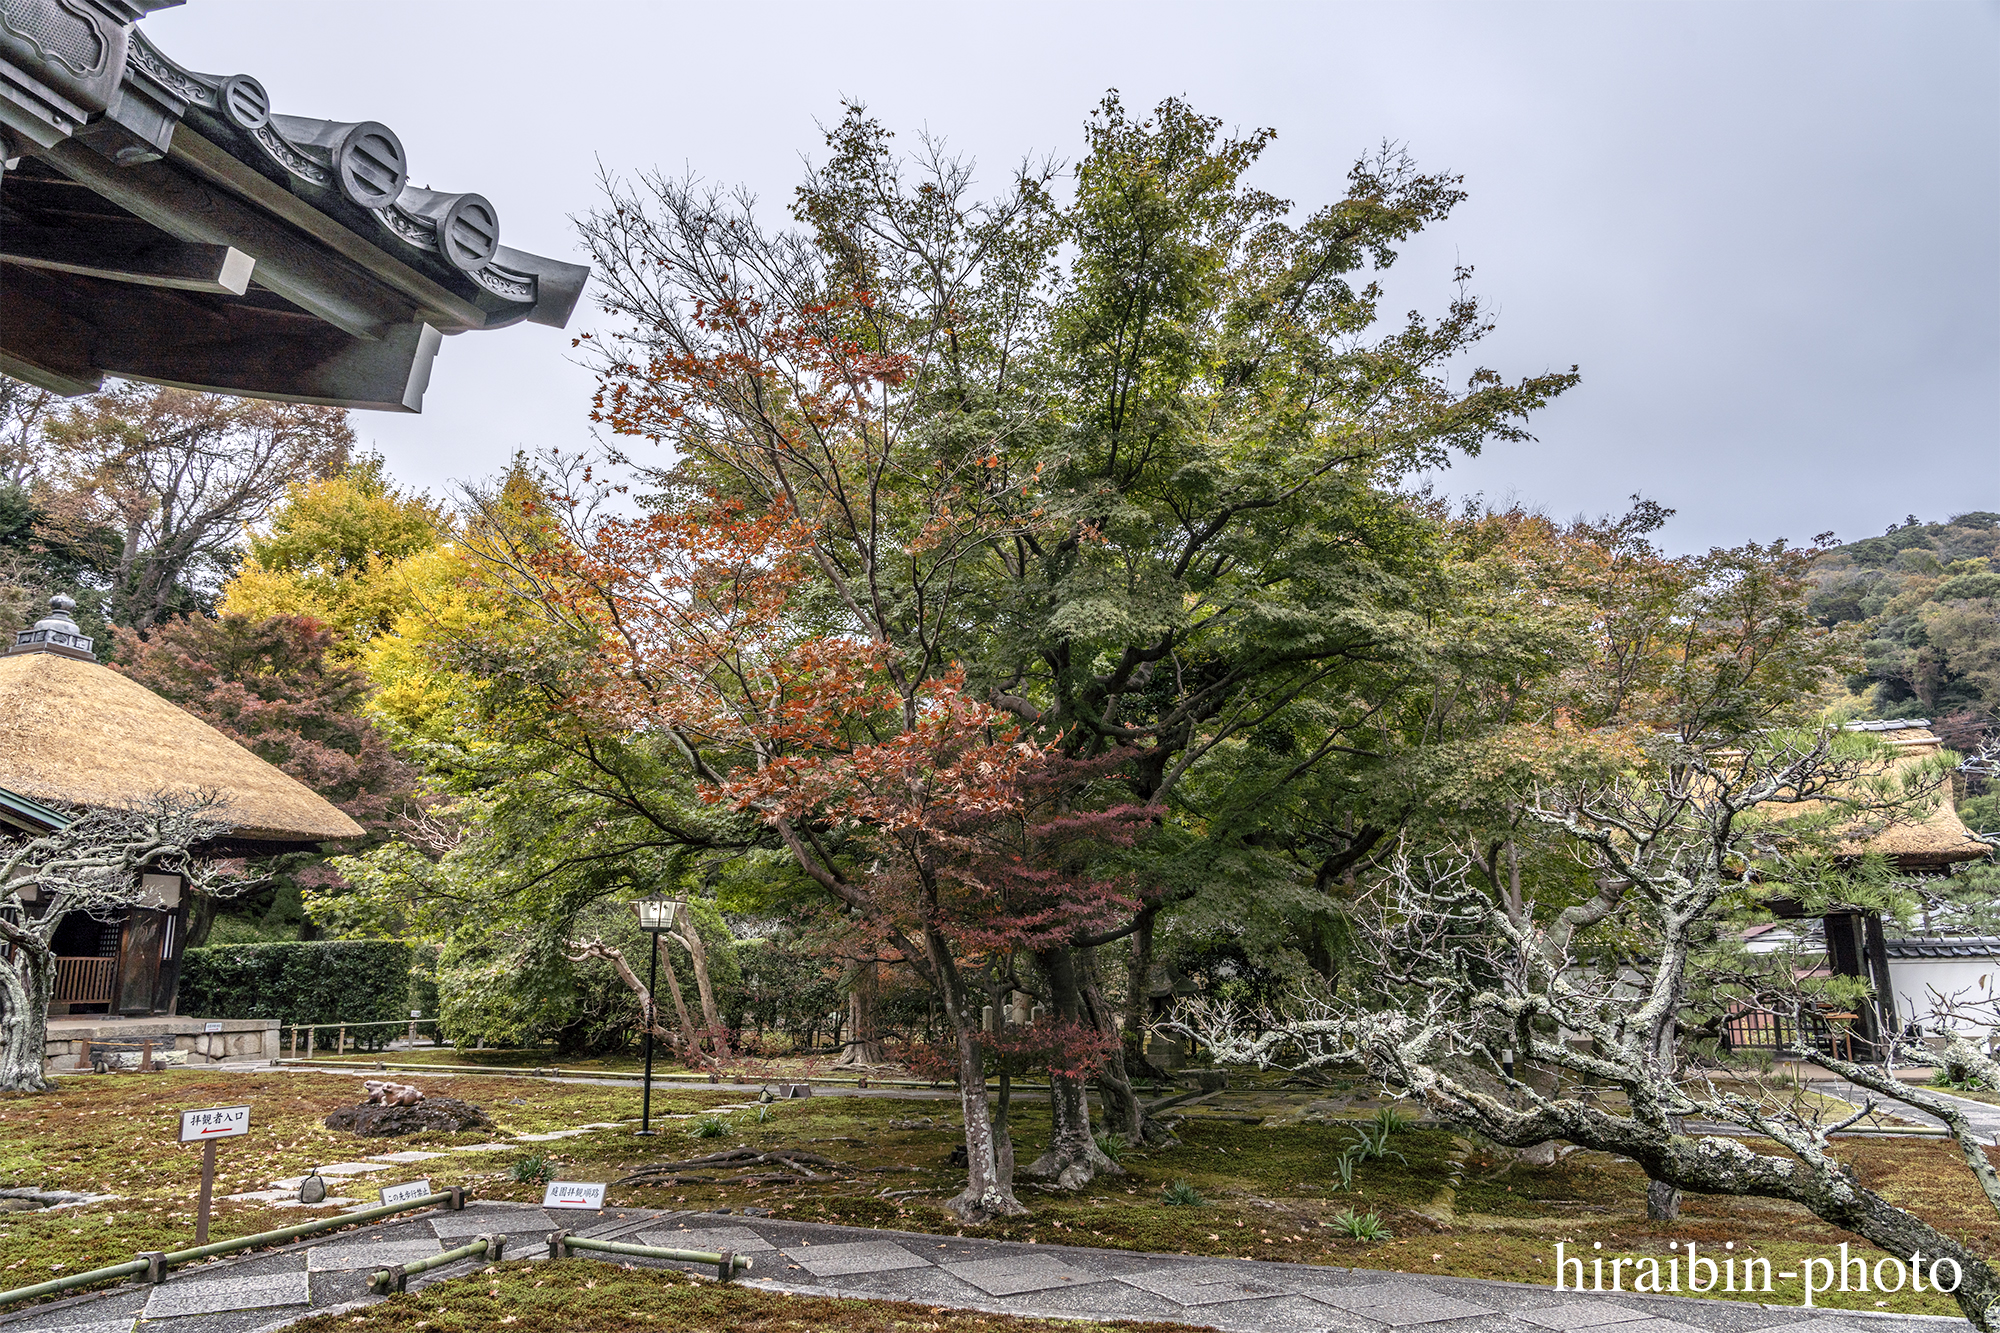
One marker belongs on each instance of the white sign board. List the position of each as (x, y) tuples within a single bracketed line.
[(410, 1193), (211, 1027), (216, 1122), (573, 1194)]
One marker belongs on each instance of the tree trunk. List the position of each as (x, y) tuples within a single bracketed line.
[(690, 1044), (864, 1038), (1123, 1115), (201, 918), (1139, 995), (697, 948), (1663, 1200), (989, 1157), (1073, 1158), (26, 986)]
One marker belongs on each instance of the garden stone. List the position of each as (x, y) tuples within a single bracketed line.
[(439, 1115)]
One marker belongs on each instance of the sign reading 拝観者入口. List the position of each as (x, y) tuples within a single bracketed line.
[(573, 1194), (215, 1122), (410, 1193)]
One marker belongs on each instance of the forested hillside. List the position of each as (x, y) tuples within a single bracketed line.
[(1926, 598)]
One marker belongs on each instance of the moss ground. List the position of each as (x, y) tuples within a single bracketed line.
[(1271, 1191)]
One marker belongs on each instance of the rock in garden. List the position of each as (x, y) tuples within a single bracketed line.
[(432, 1115), (392, 1094)]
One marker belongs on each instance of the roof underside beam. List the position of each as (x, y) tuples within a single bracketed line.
[(287, 264), (147, 261), (68, 333)]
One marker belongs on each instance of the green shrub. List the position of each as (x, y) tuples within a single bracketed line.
[(710, 1127), (314, 981), (534, 1169), (1180, 1194)]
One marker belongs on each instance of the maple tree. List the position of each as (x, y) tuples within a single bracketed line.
[(269, 686), (1104, 480)]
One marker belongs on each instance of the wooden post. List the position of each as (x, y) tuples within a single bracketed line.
[(207, 1190), (341, 1047), (146, 1057), (83, 1055)]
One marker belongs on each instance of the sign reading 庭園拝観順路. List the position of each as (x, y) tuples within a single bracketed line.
[(573, 1194), (214, 1122)]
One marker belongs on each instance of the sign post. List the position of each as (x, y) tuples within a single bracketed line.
[(205, 1127)]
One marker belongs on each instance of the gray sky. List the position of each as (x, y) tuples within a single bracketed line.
[(1765, 232)]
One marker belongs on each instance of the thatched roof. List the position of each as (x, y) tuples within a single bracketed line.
[(1941, 838), (73, 732)]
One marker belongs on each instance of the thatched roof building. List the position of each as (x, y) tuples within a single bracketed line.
[(73, 732), (1938, 841)]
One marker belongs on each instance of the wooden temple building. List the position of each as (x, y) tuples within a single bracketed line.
[(74, 733), (161, 224), (1858, 943)]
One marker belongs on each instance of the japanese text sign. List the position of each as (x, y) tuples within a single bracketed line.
[(215, 1122), (573, 1194)]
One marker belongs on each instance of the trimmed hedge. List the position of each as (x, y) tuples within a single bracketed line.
[(313, 981)]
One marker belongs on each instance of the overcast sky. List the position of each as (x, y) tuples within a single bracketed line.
[(1766, 233)]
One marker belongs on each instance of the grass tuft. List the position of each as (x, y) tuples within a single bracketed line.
[(710, 1127), (534, 1169), (1362, 1226), (1180, 1194)]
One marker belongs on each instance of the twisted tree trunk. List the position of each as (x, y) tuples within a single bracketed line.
[(27, 985)]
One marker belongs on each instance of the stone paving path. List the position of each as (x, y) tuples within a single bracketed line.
[(1984, 1117), (267, 1292)]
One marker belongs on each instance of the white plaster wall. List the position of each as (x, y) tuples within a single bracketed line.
[(1912, 980)]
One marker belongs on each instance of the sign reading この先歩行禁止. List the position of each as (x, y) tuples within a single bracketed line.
[(573, 1194), (410, 1193), (214, 1122)]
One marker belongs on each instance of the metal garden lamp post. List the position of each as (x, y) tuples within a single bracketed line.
[(656, 914)]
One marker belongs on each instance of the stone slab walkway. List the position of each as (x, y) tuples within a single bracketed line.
[(267, 1292), (1984, 1117)]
